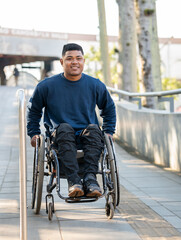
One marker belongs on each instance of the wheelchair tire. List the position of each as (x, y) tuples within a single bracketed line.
[(50, 211), (38, 175), (109, 210), (117, 174), (113, 169), (34, 180), (117, 177)]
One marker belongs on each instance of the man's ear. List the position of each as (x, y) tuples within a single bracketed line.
[(61, 61)]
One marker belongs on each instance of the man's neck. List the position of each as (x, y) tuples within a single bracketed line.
[(72, 78)]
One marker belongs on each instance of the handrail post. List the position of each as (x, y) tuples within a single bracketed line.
[(168, 99), (132, 99), (22, 165)]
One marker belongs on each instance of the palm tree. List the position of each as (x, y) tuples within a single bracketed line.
[(127, 46), (148, 48)]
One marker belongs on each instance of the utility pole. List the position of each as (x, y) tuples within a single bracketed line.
[(104, 42)]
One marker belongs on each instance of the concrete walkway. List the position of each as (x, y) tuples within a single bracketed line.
[(150, 205)]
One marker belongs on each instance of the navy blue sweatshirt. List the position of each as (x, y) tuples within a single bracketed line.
[(71, 102)]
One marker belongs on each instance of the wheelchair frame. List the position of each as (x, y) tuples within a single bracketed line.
[(109, 172)]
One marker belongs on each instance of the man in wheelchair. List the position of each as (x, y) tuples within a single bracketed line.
[(69, 100)]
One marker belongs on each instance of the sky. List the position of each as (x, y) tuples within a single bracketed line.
[(80, 16)]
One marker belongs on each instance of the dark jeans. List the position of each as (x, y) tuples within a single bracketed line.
[(91, 141)]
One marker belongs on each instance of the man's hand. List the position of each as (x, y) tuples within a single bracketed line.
[(33, 140)]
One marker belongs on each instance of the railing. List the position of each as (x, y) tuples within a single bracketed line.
[(22, 165), (137, 96)]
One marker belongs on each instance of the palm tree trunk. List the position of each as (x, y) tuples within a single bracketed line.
[(104, 43), (127, 46), (148, 49)]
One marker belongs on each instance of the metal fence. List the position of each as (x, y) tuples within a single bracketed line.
[(137, 96)]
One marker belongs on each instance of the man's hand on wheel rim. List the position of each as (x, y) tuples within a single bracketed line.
[(33, 140)]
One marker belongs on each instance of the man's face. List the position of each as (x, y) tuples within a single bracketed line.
[(73, 64)]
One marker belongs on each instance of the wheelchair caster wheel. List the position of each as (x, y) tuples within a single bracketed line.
[(109, 210), (50, 211)]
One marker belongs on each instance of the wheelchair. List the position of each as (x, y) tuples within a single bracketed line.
[(46, 154)]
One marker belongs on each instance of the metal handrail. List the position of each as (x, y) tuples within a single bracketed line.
[(132, 96), (22, 165), (146, 94)]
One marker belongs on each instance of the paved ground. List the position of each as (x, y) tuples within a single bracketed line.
[(150, 205)]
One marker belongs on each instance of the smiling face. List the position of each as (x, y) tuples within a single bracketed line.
[(73, 64)]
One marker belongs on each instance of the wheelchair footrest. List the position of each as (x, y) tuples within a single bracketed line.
[(80, 200)]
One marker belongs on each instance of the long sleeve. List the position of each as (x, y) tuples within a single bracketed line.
[(72, 102), (107, 107), (34, 113)]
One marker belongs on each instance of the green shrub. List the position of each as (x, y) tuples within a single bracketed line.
[(170, 84)]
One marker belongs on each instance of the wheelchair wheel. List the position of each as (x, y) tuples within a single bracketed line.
[(109, 210), (50, 211), (38, 174), (116, 172), (111, 164)]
